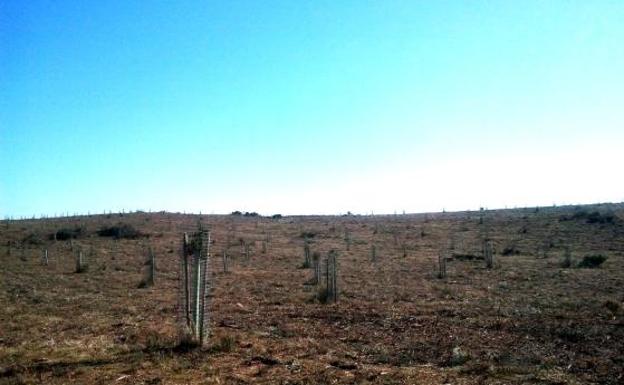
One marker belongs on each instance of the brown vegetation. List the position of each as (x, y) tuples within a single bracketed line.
[(526, 320)]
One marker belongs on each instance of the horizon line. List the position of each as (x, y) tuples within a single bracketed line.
[(253, 214)]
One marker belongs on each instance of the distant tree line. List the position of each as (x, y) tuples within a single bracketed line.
[(252, 214)]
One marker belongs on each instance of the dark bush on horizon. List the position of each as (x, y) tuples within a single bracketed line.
[(245, 214), (596, 217), (120, 231), (67, 233), (590, 217)]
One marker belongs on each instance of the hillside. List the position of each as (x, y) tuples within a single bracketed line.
[(535, 317)]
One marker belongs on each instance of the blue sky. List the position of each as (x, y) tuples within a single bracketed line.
[(309, 107)]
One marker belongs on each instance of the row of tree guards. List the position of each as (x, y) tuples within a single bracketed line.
[(324, 271), (194, 276), (194, 285), (488, 256)]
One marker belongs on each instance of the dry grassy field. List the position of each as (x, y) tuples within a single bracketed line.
[(537, 317)]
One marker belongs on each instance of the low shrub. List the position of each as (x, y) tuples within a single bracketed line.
[(458, 357), (510, 250), (67, 233), (225, 345), (566, 262), (596, 217), (322, 295), (186, 343), (466, 257), (32, 239), (154, 341), (612, 306), (307, 234), (120, 231), (592, 261), (590, 217)]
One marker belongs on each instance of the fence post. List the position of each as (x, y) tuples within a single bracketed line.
[(488, 254), (185, 283), (331, 281), (151, 273), (441, 266), (306, 253), (80, 266), (316, 265)]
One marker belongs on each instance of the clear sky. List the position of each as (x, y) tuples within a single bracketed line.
[(309, 106)]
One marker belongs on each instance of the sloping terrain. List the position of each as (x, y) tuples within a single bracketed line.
[(526, 320)]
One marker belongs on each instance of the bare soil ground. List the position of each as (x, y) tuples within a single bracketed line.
[(526, 321)]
